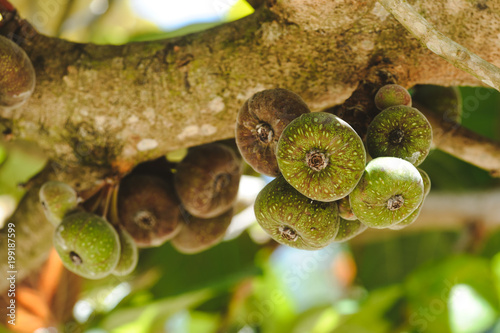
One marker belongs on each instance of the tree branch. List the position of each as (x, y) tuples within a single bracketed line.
[(464, 143), (441, 45)]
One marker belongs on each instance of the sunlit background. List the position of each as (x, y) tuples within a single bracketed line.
[(425, 281)]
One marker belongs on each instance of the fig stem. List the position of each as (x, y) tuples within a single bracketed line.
[(316, 160), (265, 132), (395, 202)]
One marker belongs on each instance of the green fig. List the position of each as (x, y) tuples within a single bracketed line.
[(292, 219), (413, 216), (17, 76), (87, 244), (259, 125), (148, 209), (321, 156), (400, 131), (345, 210), (349, 229), (199, 234), (392, 95), (129, 255), (389, 191), (207, 180), (57, 199)]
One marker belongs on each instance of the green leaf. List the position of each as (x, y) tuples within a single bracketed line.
[(386, 262)]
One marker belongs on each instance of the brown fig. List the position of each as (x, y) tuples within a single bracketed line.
[(259, 125), (17, 76), (148, 209), (207, 180), (198, 234)]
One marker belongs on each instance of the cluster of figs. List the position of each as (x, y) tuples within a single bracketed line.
[(324, 189), (189, 203)]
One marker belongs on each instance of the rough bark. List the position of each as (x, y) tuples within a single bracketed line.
[(99, 109)]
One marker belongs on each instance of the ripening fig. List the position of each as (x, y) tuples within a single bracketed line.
[(129, 255), (199, 234), (392, 95), (207, 180), (87, 244), (345, 210), (349, 229), (17, 76), (292, 219), (400, 131), (148, 209), (57, 199), (389, 191), (259, 125), (413, 216), (321, 156)]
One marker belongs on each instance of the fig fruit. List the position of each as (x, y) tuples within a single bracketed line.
[(400, 131), (207, 180), (17, 76), (392, 95), (57, 199), (128, 254), (349, 229), (148, 209), (389, 191), (259, 125), (321, 156), (199, 234), (87, 244), (413, 216), (292, 219), (345, 210)]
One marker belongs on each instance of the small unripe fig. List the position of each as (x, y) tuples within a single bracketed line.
[(445, 101), (400, 131), (292, 219), (207, 180), (87, 244), (413, 216), (57, 199), (259, 125), (345, 210), (392, 95), (199, 234), (321, 156), (148, 209), (349, 230), (129, 255), (17, 76), (389, 191)]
